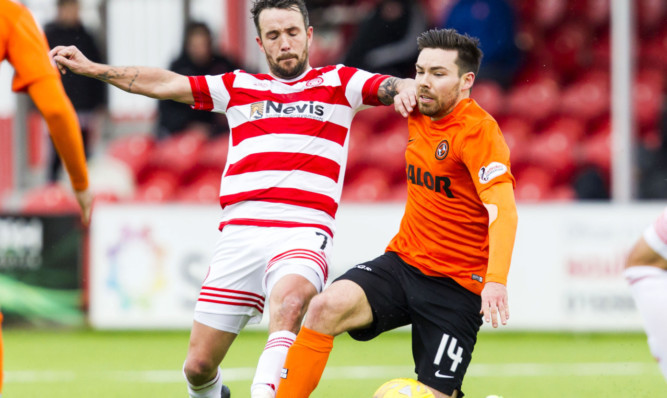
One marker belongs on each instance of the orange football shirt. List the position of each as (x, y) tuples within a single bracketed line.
[(444, 231), (24, 45)]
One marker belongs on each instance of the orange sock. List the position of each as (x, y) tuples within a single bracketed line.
[(305, 363)]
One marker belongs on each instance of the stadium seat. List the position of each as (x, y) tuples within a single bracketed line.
[(157, 186), (534, 100), (134, 150), (549, 13), (211, 157), (598, 12), (387, 152), (518, 134), (369, 185), (204, 188), (588, 97), (532, 184), (562, 193), (177, 154), (489, 95), (648, 96), (569, 45), (596, 149), (49, 199), (554, 149)]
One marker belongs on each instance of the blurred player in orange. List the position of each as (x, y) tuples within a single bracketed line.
[(450, 259), (23, 44), (646, 272)]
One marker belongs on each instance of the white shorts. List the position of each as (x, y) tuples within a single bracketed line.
[(656, 235), (246, 264)]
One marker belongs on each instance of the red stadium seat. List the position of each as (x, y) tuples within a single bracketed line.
[(49, 199), (588, 97), (596, 149), (369, 185), (204, 188), (535, 100), (177, 154), (598, 12), (533, 184), (653, 51), (387, 152), (562, 193), (157, 186), (569, 46), (648, 97), (489, 95), (518, 134), (133, 150), (553, 150)]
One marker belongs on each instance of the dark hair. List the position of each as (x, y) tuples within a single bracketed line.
[(261, 5), (469, 55)]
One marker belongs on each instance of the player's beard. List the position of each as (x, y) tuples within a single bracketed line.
[(441, 106), (288, 73)]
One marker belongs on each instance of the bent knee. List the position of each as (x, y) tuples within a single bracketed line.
[(199, 370)]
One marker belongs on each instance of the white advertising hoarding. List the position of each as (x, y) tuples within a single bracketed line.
[(147, 262)]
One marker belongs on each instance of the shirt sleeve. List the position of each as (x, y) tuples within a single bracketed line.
[(361, 87), (487, 156), (210, 92), (27, 51)]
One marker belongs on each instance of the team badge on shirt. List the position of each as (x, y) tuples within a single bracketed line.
[(442, 150), (493, 170), (257, 110)]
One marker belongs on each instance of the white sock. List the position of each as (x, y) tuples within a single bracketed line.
[(271, 361), (211, 389), (649, 289)]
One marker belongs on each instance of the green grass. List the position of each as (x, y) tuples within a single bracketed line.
[(57, 364)]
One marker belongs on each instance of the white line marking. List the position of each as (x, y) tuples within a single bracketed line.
[(592, 369)]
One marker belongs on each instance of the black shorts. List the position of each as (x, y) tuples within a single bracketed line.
[(445, 317)]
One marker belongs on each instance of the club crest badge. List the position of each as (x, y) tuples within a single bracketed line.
[(442, 150)]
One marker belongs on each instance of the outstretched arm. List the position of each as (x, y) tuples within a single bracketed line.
[(499, 202), (400, 92), (148, 81)]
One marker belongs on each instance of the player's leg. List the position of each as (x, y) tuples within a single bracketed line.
[(208, 346), (231, 296), (445, 322), (646, 273), (340, 307), (296, 271), (366, 300)]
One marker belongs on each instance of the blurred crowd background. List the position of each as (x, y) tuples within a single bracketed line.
[(545, 76)]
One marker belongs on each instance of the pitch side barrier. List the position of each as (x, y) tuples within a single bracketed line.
[(147, 262)]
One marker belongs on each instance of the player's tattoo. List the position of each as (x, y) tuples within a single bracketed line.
[(387, 91), (113, 73)]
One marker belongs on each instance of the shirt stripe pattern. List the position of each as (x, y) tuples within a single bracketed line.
[(288, 141)]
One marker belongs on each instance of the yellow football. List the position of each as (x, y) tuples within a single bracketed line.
[(403, 387)]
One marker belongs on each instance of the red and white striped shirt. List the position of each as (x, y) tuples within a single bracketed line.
[(288, 142)]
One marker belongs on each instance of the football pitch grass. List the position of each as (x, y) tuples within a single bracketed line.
[(73, 364)]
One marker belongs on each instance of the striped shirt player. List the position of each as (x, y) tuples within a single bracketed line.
[(285, 168), (288, 142), (280, 187)]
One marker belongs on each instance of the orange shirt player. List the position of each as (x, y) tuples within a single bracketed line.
[(23, 44), (447, 267)]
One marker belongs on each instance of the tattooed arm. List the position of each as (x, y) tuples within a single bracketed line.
[(400, 92), (151, 82)]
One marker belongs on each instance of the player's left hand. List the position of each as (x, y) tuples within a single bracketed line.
[(494, 303)]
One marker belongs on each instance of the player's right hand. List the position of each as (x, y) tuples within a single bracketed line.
[(85, 199), (69, 57)]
